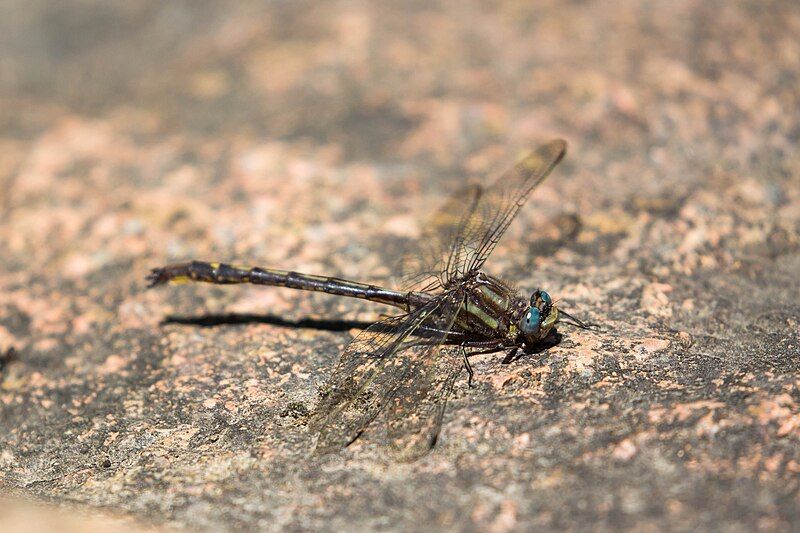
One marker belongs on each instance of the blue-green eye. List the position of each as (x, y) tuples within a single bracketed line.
[(545, 297), (529, 324)]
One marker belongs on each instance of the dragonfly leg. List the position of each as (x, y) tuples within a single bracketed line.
[(468, 366), (510, 356), (488, 347), (485, 346)]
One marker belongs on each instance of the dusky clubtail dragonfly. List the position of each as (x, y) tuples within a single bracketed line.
[(407, 364)]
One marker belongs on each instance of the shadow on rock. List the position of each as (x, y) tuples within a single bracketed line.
[(210, 321)]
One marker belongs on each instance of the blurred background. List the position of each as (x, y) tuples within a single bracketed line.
[(318, 136)]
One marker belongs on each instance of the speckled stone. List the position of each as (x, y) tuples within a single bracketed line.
[(318, 137)]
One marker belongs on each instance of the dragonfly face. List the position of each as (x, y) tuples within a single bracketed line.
[(537, 322)]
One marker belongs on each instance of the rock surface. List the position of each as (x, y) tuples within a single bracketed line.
[(319, 136)]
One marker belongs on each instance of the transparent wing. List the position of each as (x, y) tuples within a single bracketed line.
[(417, 407), (424, 263), (463, 233), (373, 366)]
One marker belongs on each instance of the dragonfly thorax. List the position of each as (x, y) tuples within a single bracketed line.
[(493, 309), (489, 308)]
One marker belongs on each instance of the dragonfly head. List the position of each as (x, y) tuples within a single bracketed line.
[(540, 317)]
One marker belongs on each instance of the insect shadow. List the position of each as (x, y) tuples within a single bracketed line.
[(211, 321)]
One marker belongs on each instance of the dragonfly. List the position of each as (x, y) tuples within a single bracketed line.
[(451, 310)]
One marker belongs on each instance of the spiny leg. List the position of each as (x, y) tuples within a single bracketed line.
[(510, 356), (488, 347), (468, 366)]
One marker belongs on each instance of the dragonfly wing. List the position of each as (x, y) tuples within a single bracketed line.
[(465, 230), (373, 366), (498, 206), (417, 408), (424, 263)]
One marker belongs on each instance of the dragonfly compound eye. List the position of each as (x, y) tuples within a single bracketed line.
[(545, 297), (530, 322)]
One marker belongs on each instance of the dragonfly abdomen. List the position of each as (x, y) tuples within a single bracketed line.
[(223, 273)]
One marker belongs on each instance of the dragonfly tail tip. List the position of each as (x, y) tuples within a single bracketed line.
[(157, 276)]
